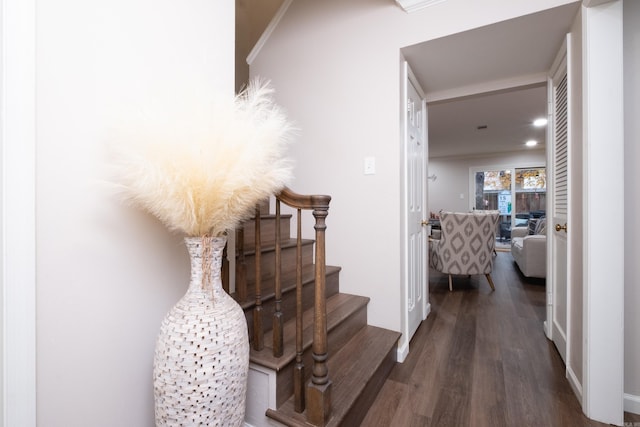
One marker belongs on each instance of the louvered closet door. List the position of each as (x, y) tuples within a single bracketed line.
[(557, 228)]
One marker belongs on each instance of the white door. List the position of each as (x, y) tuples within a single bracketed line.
[(415, 148), (557, 290)]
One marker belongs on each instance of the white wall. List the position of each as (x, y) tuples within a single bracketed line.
[(107, 274), (335, 67), (632, 205), (453, 176)]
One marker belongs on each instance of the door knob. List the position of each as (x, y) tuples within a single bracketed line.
[(561, 227), (424, 223)]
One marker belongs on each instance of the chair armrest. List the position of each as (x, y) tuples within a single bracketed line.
[(535, 242), (519, 231)]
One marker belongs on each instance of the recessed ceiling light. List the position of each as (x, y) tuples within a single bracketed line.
[(540, 122), (531, 143)]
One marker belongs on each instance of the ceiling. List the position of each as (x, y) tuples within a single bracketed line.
[(492, 76)]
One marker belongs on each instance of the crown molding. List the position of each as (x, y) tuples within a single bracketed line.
[(267, 32), (414, 5)]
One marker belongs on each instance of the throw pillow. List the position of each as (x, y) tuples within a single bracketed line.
[(532, 225), (541, 226)]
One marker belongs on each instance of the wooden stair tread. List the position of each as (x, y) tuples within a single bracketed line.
[(351, 370), (288, 284), (267, 216), (250, 250), (339, 307)]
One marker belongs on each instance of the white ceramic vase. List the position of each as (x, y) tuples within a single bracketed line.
[(202, 353)]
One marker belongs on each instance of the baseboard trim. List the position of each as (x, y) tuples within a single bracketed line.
[(427, 311), (547, 331), (402, 352), (574, 382), (632, 403)]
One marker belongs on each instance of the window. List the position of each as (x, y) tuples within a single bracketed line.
[(518, 193), (530, 193), (493, 190)]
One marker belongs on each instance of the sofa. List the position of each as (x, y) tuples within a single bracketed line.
[(529, 248)]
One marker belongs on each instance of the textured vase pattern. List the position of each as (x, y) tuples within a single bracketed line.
[(202, 353)]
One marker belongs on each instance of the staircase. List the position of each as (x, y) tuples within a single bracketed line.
[(314, 358)]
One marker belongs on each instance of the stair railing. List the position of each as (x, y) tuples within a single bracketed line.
[(318, 391), (316, 400)]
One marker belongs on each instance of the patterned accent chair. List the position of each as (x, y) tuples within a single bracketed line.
[(467, 244)]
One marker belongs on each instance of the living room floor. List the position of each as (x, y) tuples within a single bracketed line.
[(481, 359)]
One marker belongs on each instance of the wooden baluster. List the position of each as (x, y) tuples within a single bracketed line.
[(241, 267), (258, 330), (319, 388), (298, 370), (278, 320)]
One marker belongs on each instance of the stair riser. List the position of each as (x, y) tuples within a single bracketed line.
[(337, 337), (268, 262), (267, 230), (332, 287)]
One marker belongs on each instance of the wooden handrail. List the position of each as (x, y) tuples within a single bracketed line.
[(305, 202)]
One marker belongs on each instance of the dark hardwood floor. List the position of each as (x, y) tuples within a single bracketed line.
[(480, 359)]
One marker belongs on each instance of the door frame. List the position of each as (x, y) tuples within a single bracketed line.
[(603, 251), (405, 76), (18, 213)]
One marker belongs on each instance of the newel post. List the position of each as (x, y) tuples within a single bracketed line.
[(319, 388)]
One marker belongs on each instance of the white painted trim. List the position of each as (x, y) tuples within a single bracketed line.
[(574, 382), (570, 197), (402, 352), (530, 80), (427, 310), (603, 131), (632, 403), (410, 6), (403, 342), (18, 139), (545, 326), (261, 395), (268, 31)]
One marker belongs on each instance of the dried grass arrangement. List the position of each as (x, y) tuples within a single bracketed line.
[(203, 172)]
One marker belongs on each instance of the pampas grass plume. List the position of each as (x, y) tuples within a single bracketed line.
[(202, 172)]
